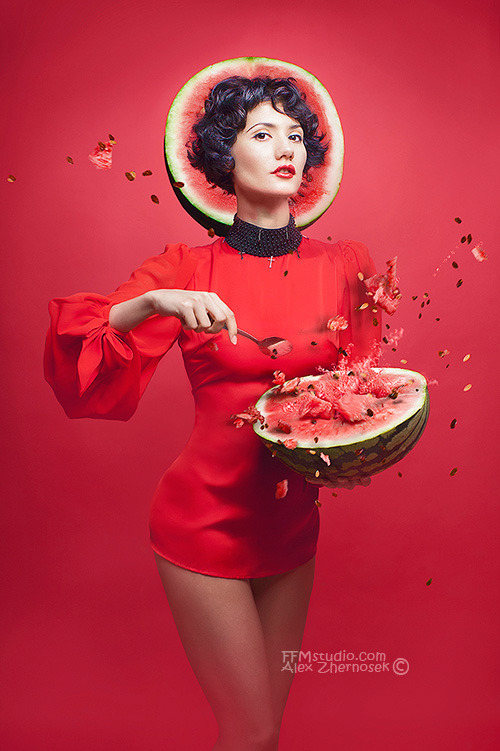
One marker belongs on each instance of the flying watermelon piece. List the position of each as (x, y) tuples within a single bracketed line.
[(210, 206)]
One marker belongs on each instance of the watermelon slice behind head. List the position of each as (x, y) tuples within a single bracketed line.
[(365, 433), (209, 205)]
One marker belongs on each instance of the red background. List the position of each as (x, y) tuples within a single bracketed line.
[(90, 655)]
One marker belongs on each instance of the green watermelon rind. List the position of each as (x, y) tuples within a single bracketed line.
[(379, 451), (180, 171)]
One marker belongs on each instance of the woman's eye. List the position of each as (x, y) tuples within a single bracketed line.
[(261, 136), (296, 137)]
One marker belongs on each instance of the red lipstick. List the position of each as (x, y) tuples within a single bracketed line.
[(285, 170)]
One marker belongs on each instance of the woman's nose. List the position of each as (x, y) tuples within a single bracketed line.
[(284, 147)]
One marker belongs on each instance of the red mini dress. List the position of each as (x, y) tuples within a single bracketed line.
[(214, 510)]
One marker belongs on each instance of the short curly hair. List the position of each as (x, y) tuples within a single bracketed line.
[(226, 110)]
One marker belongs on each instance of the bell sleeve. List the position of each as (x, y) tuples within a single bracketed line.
[(100, 372), (364, 325)]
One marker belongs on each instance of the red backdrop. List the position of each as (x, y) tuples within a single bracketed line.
[(90, 655)]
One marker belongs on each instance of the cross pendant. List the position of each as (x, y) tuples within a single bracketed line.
[(271, 261)]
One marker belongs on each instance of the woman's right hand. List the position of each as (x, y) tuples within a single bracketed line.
[(197, 311)]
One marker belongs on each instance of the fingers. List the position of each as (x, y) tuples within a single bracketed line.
[(206, 312)]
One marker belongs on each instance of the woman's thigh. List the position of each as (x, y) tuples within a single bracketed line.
[(282, 602), (221, 632)]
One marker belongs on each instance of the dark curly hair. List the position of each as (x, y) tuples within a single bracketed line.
[(226, 109)]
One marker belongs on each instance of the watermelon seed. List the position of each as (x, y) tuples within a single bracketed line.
[(111, 138), (311, 451), (178, 185), (420, 315), (285, 273), (361, 276), (394, 395), (101, 145), (463, 239), (130, 175), (318, 503), (316, 474), (316, 439), (375, 322), (211, 232), (428, 301), (453, 423), (11, 179), (399, 474), (385, 340), (469, 239), (313, 422), (458, 220), (146, 173), (329, 239), (430, 580), (387, 326), (453, 471), (426, 294), (69, 159), (468, 387), (460, 282), (454, 264), (414, 297), (438, 319), (369, 412), (155, 199), (335, 495), (314, 344), (422, 304)]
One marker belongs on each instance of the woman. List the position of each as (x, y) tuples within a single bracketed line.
[(236, 564)]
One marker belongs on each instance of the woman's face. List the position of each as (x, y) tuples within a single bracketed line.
[(269, 154)]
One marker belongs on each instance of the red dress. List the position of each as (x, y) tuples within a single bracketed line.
[(214, 510)]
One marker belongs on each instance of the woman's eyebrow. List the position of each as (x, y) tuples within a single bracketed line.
[(272, 125)]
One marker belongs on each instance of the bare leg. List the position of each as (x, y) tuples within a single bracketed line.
[(282, 603), (220, 629)]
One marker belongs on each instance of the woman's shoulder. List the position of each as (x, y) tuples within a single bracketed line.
[(336, 250)]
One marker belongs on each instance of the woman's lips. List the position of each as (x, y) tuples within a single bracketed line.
[(286, 171)]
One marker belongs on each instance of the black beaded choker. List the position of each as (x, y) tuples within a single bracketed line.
[(259, 241)]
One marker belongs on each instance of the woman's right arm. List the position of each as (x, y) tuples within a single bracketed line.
[(197, 311)]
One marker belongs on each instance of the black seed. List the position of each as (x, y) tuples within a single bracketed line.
[(69, 159), (313, 422), (394, 349), (275, 351), (453, 423), (458, 220), (428, 301), (385, 340), (155, 199), (329, 239), (375, 322), (422, 304), (351, 373), (111, 138), (414, 297), (469, 239), (314, 344), (146, 173), (463, 239), (369, 412), (448, 365), (430, 580), (438, 319), (460, 282), (285, 273), (387, 326), (316, 439), (393, 395), (454, 264), (420, 315)]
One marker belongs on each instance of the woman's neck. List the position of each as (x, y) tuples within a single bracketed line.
[(268, 216)]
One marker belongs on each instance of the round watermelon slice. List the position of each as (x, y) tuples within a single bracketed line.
[(344, 425), (210, 206)]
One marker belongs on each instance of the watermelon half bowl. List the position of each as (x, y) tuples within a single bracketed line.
[(371, 432), (209, 205)]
